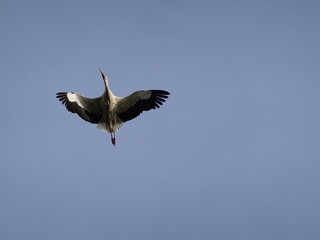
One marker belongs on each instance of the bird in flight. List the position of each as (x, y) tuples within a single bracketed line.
[(109, 112)]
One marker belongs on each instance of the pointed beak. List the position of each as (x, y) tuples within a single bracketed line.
[(102, 74)]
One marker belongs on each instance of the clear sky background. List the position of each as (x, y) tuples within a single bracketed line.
[(233, 154)]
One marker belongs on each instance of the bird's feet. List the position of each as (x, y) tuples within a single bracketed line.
[(113, 138)]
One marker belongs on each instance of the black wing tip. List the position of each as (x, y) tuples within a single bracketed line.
[(61, 95), (62, 98), (160, 92)]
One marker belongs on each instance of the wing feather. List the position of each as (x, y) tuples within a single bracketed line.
[(133, 105), (89, 109)]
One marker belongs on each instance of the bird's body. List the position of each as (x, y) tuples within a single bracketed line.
[(110, 111)]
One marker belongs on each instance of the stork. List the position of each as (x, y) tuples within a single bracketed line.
[(109, 112)]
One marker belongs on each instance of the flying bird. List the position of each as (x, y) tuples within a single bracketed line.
[(109, 112)]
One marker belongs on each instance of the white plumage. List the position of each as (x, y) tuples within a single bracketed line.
[(109, 112)]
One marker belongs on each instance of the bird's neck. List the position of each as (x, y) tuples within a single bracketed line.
[(109, 96)]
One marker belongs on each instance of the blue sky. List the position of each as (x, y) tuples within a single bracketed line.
[(233, 154)]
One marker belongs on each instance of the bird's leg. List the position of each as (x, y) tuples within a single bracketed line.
[(113, 138), (113, 134)]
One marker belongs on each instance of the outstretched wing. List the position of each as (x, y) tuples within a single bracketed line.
[(133, 105), (89, 109)]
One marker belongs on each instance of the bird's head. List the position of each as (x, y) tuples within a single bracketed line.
[(102, 74), (104, 77)]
